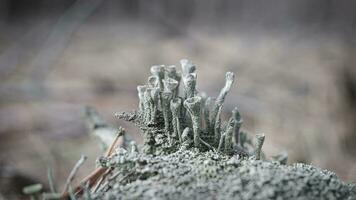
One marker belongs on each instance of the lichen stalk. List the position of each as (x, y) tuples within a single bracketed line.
[(170, 85), (206, 114), (189, 82), (158, 71), (171, 72), (141, 92), (155, 98), (221, 141), (134, 148), (148, 104), (217, 127), (166, 99), (193, 106), (242, 139), (187, 67), (185, 134), (153, 81), (260, 138), (229, 80), (228, 136), (237, 126), (176, 111)]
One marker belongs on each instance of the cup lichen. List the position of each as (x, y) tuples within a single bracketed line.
[(164, 113), (189, 152)]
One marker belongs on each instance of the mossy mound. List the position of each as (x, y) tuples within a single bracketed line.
[(190, 174)]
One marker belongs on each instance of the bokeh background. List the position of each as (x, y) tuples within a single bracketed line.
[(295, 64)]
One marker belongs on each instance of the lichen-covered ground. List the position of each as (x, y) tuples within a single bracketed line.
[(190, 174)]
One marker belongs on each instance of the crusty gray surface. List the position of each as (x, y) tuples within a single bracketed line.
[(190, 174)]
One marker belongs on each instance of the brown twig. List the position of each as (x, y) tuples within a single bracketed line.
[(102, 179), (93, 177), (114, 176)]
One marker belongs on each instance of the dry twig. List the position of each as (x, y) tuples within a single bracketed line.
[(93, 177)]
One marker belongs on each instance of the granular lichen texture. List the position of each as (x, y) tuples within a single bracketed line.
[(189, 152), (191, 174)]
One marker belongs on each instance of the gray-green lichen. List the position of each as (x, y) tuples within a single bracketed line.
[(189, 152), (192, 174), (164, 115)]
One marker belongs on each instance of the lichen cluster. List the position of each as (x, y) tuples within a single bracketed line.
[(170, 118), (189, 152)]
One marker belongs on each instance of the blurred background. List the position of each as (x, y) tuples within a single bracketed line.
[(295, 64)]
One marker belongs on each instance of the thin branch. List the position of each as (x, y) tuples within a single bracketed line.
[(208, 145), (74, 172)]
